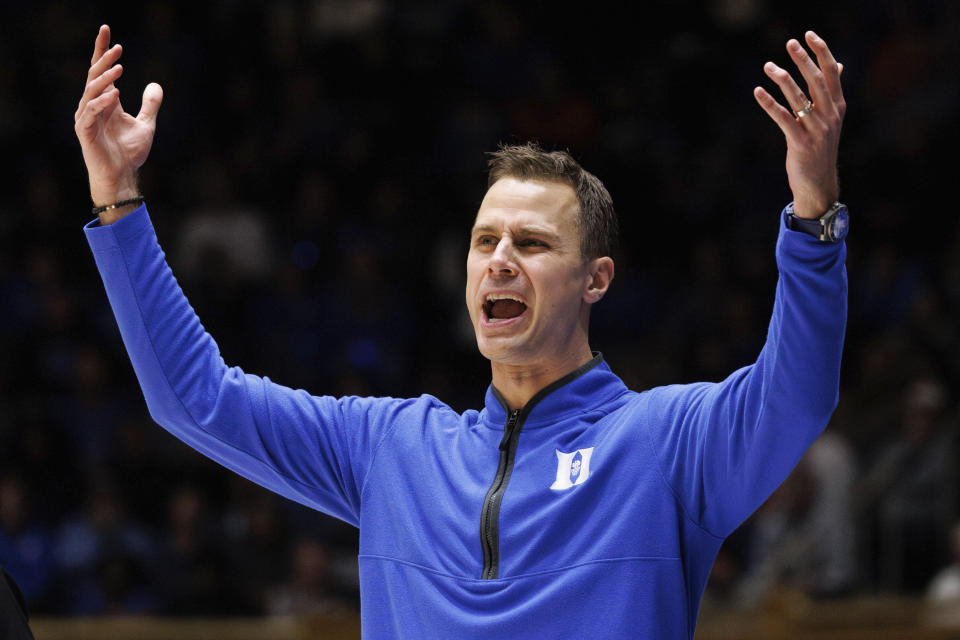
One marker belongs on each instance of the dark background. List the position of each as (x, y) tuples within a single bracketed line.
[(316, 169)]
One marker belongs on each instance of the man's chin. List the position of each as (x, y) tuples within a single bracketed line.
[(501, 349)]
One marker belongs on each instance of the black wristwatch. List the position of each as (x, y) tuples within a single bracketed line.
[(832, 226)]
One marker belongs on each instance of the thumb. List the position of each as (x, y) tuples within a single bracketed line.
[(152, 97)]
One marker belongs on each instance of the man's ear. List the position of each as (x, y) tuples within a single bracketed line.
[(601, 275)]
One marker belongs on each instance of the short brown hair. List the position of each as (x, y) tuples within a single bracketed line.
[(597, 221)]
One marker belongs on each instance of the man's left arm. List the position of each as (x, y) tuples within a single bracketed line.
[(725, 447)]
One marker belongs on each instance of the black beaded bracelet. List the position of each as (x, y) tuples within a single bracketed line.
[(116, 205)]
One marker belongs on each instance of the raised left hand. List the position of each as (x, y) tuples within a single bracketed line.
[(812, 132)]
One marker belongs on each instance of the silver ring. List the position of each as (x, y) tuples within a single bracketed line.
[(807, 108)]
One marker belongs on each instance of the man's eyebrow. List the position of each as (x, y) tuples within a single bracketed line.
[(536, 231), (526, 230), (482, 228)]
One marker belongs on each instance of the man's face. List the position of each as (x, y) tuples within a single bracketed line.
[(526, 278)]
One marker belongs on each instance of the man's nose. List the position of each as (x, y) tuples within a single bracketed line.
[(502, 260)]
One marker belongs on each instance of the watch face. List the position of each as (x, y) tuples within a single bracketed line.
[(839, 225)]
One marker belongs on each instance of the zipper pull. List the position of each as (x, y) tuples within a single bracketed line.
[(508, 429)]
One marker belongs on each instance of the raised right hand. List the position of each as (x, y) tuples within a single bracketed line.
[(114, 143)]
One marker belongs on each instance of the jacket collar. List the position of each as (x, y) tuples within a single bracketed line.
[(584, 388)]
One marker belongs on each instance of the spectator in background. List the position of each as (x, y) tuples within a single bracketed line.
[(257, 540), (194, 572), (832, 470), (943, 592), (104, 561), (25, 544), (308, 590), (92, 412), (911, 487), (804, 536), (945, 586)]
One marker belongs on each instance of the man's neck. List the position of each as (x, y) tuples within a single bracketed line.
[(518, 383)]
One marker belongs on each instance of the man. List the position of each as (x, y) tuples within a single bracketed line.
[(568, 504)]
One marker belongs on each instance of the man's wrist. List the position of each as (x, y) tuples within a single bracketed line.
[(110, 197), (112, 213), (809, 211), (107, 194), (811, 208)]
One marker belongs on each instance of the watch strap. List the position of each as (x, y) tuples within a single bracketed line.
[(820, 228), (813, 227)]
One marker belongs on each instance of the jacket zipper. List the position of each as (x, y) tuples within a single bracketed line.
[(490, 517)]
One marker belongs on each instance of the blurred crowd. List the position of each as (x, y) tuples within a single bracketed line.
[(313, 180)]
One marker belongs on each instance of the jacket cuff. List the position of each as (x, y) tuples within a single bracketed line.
[(797, 246), (103, 237)]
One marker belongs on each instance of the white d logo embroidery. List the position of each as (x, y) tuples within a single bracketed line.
[(572, 468)]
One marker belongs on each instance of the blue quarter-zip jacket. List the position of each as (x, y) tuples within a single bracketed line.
[(596, 514)]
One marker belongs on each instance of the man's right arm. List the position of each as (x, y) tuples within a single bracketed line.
[(315, 450)]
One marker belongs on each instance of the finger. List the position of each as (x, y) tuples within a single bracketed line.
[(99, 85), (100, 44), (110, 56), (816, 85), (784, 118), (152, 97), (90, 115), (795, 96), (828, 64), (112, 105)]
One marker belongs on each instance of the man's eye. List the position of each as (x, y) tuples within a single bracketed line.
[(532, 243)]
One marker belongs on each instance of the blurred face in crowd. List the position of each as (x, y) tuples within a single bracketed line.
[(528, 286), (11, 504)]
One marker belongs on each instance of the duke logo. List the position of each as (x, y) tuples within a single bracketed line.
[(572, 468)]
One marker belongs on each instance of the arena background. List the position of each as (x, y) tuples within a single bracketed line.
[(315, 173)]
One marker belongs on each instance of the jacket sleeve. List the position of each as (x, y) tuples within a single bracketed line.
[(724, 447), (315, 450)]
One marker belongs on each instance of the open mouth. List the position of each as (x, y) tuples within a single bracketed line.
[(499, 307)]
